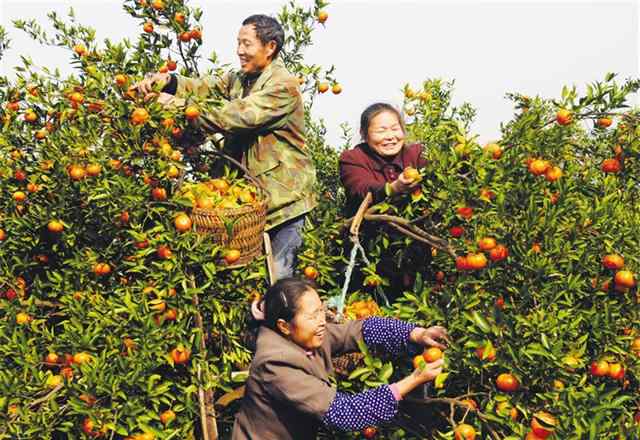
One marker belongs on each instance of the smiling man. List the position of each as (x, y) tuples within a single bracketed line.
[(262, 120)]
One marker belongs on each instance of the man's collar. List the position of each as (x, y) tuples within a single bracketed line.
[(254, 77)]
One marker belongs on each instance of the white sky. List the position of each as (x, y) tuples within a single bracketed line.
[(488, 47)]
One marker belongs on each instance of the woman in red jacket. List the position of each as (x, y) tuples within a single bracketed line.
[(376, 165)]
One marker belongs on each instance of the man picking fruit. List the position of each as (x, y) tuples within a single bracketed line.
[(262, 121)]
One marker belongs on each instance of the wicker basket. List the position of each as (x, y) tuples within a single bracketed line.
[(248, 223)]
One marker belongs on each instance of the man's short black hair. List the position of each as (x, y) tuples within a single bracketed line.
[(267, 29)]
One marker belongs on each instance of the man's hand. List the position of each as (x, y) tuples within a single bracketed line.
[(152, 82), (429, 337), (166, 100)]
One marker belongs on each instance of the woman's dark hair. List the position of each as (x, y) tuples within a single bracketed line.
[(374, 110), (267, 29), (281, 300)]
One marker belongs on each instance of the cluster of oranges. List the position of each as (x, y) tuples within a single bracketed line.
[(476, 261), (623, 279), (323, 87), (542, 167), (362, 309), (219, 193), (614, 370)]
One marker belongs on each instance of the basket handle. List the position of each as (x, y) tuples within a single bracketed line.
[(243, 168)]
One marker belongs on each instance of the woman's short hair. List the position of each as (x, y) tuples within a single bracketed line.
[(267, 29), (282, 299), (374, 110)]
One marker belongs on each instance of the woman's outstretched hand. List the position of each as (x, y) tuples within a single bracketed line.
[(435, 336)]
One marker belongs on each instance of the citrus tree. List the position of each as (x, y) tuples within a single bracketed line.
[(534, 243), (118, 319)]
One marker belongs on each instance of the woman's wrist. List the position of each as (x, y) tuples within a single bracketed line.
[(406, 385), (416, 335)]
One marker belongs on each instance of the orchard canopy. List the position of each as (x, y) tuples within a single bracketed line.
[(119, 320)]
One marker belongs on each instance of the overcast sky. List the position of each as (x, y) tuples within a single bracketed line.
[(488, 47)]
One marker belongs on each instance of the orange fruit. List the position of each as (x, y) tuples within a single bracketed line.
[(159, 194), (80, 50), (182, 222), (231, 256), (139, 116), (418, 362), (192, 112), (493, 150), (466, 212), (498, 253), (611, 166), (180, 355), (81, 358), (604, 122), (336, 89), (77, 172), (563, 117), (543, 424), (322, 16), (538, 167), (613, 261), (486, 353), (507, 382), (323, 87), (164, 252), (616, 371), (411, 174), (532, 436), (23, 318), (30, 116), (76, 97), (470, 403), (465, 432), (487, 243), (93, 169), (19, 196), (553, 174), (120, 79), (432, 354), (173, 172), (204, 202), (167, 417), (55, 226), (311, 272), (625, 278), (148, 27), (185, 36), (476, 261), (599, 368)]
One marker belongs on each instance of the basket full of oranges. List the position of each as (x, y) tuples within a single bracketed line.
[(233, 212)]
